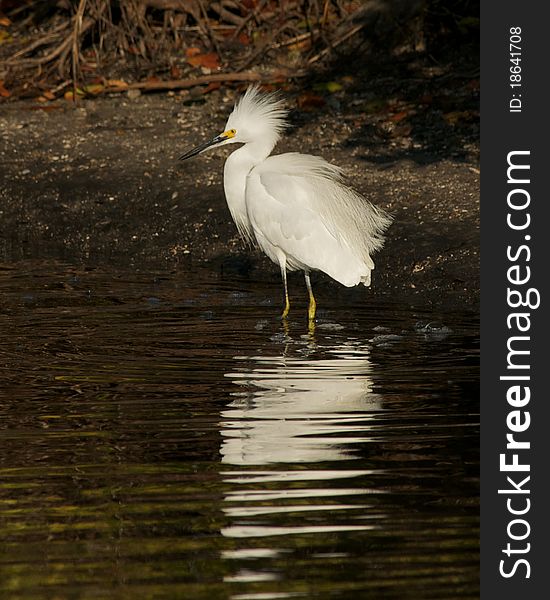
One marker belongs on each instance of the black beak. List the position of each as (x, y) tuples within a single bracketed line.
[(201, 148)]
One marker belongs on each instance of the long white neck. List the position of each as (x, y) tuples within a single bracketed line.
[(236, 170)]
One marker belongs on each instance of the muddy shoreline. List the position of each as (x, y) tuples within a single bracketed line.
[(100, 184)]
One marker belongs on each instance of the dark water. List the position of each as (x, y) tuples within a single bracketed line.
[(163, 436)]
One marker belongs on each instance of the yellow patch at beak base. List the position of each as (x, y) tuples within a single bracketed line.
[(230, 133)]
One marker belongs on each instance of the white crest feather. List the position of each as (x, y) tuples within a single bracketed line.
[(258, 113)]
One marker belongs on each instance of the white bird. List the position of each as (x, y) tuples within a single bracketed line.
[(294, 206)]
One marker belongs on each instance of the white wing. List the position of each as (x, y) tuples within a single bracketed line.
[(298, 206)]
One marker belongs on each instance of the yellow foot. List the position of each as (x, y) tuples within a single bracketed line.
[(287, 309), (312, 308)]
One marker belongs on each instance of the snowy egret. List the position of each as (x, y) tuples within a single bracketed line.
[(294, 206)]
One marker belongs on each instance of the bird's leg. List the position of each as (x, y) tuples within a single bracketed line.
[(287, 302), (312, 303)]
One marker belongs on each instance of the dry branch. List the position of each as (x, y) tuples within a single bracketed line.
[(41, 41), (225, 14), (107, 40), (75, 46), (182, 5), (190, 82), (349, 34)]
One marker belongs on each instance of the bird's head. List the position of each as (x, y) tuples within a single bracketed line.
[(256, 117)]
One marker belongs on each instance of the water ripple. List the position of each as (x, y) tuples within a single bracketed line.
[(164, 436)]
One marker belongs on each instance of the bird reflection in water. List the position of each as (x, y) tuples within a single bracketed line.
[(290, 412), (294, 410)]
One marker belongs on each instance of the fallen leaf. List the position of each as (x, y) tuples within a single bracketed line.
[(192, 51), (328, 86), (426, 99), (399, 116), (215, 85), (93, 88), (5, 36), (452, 118), (299, 46), (69, 95), (209, 61), (334, 86), (5, 22), (468, 22), (48, 95), (3, 91), (175, 72), (374, 106), (119, 83), (244, 38), (402, 130), (309, 101)]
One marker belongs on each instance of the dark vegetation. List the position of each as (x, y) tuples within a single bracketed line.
[(75, 48)]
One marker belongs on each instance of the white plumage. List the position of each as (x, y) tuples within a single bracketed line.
[(295, 207)]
